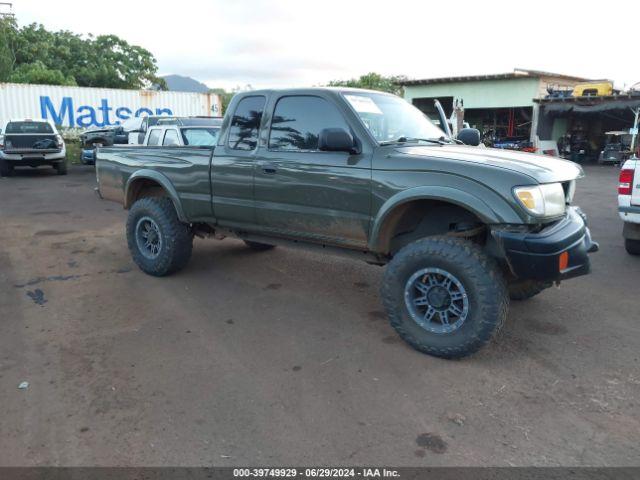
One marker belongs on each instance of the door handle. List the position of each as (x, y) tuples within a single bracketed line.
[(269, 168)]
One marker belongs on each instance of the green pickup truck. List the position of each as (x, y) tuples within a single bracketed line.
[(461, 228)]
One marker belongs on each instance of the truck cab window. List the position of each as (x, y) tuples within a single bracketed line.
[(245, 124), (170, 138), (154, 137), (298, 120)]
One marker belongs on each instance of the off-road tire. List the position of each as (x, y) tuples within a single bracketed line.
[(481, 278), (632, 246), (6, 169), (61, 168), (177, 237), (257, 246), (525, 289)]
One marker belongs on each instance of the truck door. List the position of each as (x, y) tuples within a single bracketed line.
[(304, 192), (232, 165)]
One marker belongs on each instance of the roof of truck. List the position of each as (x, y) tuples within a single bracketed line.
[(294, 90)]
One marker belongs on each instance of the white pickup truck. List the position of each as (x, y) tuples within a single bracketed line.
[(629, 204), (191, 131), (31, 143)]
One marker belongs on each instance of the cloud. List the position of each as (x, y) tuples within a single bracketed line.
[(309, 42)]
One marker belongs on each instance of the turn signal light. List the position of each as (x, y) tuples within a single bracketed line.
[(563, 261), (625, 184)]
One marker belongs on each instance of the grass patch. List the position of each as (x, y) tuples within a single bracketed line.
[(73, 152)]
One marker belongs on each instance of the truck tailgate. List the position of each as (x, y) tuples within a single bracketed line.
[(21, 143)]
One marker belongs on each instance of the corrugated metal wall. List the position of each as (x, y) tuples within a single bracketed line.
[(94, 107)]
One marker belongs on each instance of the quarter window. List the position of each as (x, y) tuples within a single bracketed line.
[(245, 124), (297, 122), (154, 137), (170, 138)]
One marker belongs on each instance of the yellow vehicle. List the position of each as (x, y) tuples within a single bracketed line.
[(597, 89)]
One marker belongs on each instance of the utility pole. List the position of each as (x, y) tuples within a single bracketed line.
[(6, 9)]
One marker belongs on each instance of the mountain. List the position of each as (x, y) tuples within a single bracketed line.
[(178, 83)]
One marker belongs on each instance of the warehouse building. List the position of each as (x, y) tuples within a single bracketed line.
[(590, 128), (501, 106)]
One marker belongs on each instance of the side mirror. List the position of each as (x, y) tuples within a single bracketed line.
[(469, 136), (336, 140)]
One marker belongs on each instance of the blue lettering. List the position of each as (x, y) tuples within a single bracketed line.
[(104, 106), (66, 110), (91, 116), (142, 110), (86, 116), (123, 113)]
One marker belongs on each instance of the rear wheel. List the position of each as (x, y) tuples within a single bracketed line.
[(632, 246), (444, 296), (6, 169), (61, 168), (257, 246), (525, 289), (159, 242)]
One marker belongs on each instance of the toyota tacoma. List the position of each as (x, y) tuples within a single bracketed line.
[(461, 228)]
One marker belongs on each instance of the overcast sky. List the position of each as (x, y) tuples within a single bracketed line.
[(229, 43)]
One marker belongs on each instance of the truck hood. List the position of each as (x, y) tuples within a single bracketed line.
[(543, 168)]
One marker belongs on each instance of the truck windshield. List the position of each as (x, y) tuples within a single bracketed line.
[(200, 137), (28, 127), (390, 118)]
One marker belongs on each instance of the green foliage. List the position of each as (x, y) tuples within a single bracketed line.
[(7, 59), (373, 81), (38, 55), (37, 72)]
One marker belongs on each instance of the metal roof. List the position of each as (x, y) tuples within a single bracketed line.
[(517, 73)]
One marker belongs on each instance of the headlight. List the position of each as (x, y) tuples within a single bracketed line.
[(542, 200)]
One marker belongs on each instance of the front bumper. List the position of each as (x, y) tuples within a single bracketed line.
[(536, 256)]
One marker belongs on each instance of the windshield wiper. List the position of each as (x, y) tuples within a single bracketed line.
[(439, 141)]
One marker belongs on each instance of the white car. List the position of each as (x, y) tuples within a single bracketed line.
[(629, 204), (31, 143)]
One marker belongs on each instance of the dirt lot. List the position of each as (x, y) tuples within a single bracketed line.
[(285, 357)]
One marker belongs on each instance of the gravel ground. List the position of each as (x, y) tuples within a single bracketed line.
[(285, 357)]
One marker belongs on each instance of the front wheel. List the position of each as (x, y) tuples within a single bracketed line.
[(159, 242), (632, 246), (61, 168), (444, 296)]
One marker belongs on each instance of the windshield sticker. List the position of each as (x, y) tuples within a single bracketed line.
[(363, 104)]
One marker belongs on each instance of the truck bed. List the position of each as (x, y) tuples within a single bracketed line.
[(185, 168), (25, 143)]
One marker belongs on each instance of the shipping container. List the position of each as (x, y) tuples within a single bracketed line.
[(81, 107)]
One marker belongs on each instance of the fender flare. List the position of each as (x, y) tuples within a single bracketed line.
[(160, 179), (451, 195)]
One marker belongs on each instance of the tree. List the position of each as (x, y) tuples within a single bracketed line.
[(373, 81), (66, 58), (38, 73), (7, 58)]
